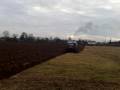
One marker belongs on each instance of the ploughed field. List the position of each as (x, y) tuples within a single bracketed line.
[(95, 68), (17, 56)]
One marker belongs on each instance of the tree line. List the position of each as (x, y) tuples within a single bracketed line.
[(25, 37)]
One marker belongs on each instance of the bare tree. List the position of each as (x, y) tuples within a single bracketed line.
[(23, 36), (31, 37), (6, 34), (15, 37)]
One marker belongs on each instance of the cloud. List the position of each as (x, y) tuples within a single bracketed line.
[(60, 17), (114, 1)]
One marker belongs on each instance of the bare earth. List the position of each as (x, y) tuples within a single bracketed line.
[(96, 68)]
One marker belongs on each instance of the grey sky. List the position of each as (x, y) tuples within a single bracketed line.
[(62, 18)]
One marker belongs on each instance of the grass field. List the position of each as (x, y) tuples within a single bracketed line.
[(95, 68)]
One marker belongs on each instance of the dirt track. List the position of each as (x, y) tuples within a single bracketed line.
[(97, 71)]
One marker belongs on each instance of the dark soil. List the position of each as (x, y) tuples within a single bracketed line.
[(15, 57)]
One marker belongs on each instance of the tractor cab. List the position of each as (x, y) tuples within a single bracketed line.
[(72, 46)]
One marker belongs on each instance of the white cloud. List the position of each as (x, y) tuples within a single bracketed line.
[(60, 16), (40, 9), (107, 7), (114, 1)]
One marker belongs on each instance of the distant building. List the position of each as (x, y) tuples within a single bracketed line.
[(92, 42)]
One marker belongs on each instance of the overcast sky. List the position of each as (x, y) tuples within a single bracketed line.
[(62, 18)]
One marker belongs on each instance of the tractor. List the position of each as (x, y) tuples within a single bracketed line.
[(72, 46)]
